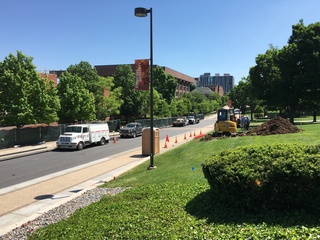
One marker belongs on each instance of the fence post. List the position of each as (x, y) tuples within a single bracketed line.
[(40, 133)]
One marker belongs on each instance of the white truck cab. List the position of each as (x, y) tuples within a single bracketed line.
[(80, 135)]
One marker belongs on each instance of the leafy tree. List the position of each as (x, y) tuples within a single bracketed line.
[(215, 96), (239, 96), (164, 109), (289, 78), (205, 106), (174, 108), (111, 102), (165, 84), (195, 96), (159, 105), (124, 77), (46, 103), (291, 82), (89, 74), (183, 106), (224, 100), (265, 78), (107, 101), (144, 100), (192, 87), (25, 98), (196, 99), (307, 41), (214, 105), (243, 96), (77, 103)]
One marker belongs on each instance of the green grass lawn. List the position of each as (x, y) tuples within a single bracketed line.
[(173, 202)]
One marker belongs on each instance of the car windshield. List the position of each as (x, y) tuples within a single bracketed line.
[(130, 125), (191, 117), (73, 129)]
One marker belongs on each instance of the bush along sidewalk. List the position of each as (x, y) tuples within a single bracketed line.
[(275, 177)]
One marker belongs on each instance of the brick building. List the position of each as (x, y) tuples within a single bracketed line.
[(51, 76), (184, 81)]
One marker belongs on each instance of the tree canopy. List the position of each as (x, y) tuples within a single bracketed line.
[(289, 78), (243, 97), (107, 97), (25, 98), (124, 77), (77, 102), (165, 84)]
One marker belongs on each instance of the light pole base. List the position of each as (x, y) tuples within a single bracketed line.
[(152, 167)]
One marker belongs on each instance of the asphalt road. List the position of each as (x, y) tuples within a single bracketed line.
[(27, 168)]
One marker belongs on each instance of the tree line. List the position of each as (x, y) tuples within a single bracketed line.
[(81, 95), (284, 79)]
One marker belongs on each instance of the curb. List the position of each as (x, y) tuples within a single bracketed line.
[(8, 156)]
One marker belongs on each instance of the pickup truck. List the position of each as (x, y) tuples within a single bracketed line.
[(193, 120), (131, 130)]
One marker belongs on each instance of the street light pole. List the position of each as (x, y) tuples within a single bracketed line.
[(143, 12)]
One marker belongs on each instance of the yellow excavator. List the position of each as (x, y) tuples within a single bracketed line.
[(226, 123)]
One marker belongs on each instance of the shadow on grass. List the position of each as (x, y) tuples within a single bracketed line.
[(206, 206)]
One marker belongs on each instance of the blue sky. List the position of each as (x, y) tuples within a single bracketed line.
[(192, 37)]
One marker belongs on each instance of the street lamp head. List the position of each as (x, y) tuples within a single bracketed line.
[(141, 12)]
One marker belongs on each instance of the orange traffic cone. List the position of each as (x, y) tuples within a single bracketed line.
[(114, 139), (165, 144), (114, 178), (176, 140), (200, 132), (194, 133), (167, 138), (190, 134), (185, 137)]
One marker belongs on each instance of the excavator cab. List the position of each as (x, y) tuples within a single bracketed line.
[(226, 121)]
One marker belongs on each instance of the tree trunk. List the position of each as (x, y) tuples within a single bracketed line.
[(292, 112)]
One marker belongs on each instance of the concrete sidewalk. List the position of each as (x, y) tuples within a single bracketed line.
[(24, 202)]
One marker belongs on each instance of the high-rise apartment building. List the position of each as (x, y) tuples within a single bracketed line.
[(226, 82)]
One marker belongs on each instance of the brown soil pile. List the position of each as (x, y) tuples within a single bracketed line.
[(276, 125)]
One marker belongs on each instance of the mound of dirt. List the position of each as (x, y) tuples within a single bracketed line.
[(276, 125)]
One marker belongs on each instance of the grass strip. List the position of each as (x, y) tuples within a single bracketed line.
[(173, 202)]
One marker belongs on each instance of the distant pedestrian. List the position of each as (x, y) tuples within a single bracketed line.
[(242, 122), (247, 122)]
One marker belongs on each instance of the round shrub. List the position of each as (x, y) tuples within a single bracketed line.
[(279, 176)]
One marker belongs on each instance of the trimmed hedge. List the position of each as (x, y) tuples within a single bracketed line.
[(280, 176)]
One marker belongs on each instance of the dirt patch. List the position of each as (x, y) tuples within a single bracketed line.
[(276, 125)]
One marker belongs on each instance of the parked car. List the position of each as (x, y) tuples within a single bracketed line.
[(131, 130), (191, 119), (180, 122)]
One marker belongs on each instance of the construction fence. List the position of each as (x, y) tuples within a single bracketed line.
[(33, 135)]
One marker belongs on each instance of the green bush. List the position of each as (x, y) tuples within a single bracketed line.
[(259, 177)]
